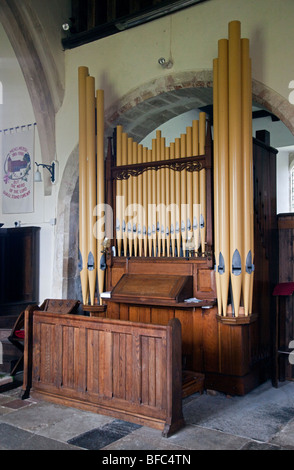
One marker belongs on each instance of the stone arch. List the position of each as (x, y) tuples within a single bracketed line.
[(41, 73), (150, 105), (274, 102), (66, 236), (140, 112)]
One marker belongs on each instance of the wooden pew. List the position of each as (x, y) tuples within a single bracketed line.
[(123, 369)]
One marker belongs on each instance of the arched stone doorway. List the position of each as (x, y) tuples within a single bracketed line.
[(140, 112)]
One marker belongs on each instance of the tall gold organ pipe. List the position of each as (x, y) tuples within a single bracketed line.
[(178, 198), (223, 261), (183, 193), (216, 182), (162, 228), (172, 202), (100, 184), (135, 202), (83, 72), (154, 237), (130, 198), (202, 181), (124, 192), (251, 185), (140, 202), (195, 178), (167, 203), (145, 203), (91, 184), (151, 189), (189, 185), (158, 193), (119, 207), (235, 155), (247, 170)]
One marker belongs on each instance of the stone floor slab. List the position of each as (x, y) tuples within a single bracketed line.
[(71, 426), (254, 445), (144, 442), (254, 416), (38, 416), (16, 404), (12, 438), (285, 437), (99, 438), (190, 438), (5, 399)]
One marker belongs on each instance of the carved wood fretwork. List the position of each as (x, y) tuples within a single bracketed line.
[(191, 164)]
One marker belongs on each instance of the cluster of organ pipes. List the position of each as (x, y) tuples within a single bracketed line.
[(233, 174), (161, 212), (91, 184)]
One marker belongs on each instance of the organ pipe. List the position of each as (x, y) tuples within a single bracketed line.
[(101, 263), (91, 185), (202, 180), (195, 178), (83, 72), (247, 170), (119, 202), (222, 258)]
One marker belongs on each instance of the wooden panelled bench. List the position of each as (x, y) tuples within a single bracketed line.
[(124, 369)]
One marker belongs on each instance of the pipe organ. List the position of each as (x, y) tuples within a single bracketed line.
[(168, 231)]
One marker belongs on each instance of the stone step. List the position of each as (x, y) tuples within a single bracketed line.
[(8, 382), (5, 379)]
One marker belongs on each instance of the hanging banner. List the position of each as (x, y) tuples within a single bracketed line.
[(17, 169)]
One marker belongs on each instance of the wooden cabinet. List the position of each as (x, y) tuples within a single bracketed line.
[(223, 350), (19, 269)]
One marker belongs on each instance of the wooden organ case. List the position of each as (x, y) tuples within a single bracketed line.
[(224, 353)]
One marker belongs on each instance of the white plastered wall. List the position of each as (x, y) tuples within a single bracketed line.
[(16, 110)]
